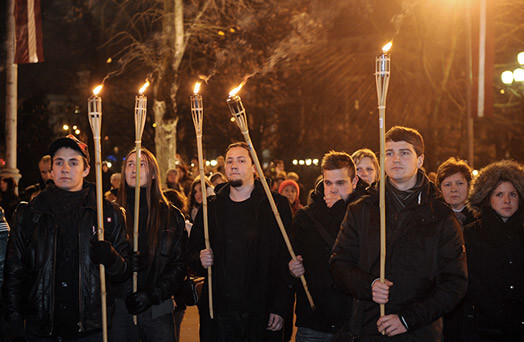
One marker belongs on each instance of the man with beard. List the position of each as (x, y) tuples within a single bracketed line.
[(314, 231), (247, 255), (425, 256)]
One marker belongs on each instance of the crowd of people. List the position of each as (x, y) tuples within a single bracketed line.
[(454, 267)]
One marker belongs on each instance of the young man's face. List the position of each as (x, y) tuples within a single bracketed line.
[(402, 164), (239, 168), (338, 183), (68, 169)]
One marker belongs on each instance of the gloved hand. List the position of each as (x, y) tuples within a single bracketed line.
[(140, 301), (102, 252), (138, 261)]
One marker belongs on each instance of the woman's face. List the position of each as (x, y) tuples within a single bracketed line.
[(505, 200), (198, 193), (291, 193), (366, 170), (455, 190), (130, 172)]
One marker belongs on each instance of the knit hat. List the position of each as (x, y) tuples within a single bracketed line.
[(286, 183), (71, 142)]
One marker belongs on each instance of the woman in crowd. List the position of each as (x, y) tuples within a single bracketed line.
[(453, 179), (160, 262), (367, 165), (195, 198), (495, 250), (184, 179), (290, 189)]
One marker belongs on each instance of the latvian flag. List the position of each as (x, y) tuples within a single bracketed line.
[(28, 23), (482, 57)]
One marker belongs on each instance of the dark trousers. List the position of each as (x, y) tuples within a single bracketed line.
[(158, 329), (96, 337)]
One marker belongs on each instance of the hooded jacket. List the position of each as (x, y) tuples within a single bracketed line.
[(495, 297), (333, 308), (266, 276), (32, 259), (425, 260)]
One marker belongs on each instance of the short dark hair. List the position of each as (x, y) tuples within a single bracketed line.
[(409, 135), (338, 160), (242, 145), (452, 166)]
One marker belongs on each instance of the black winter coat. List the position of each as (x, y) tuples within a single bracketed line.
[(167, 268), (266, 275), (333, 308), (495, 297), (425, 259), (31, 262)]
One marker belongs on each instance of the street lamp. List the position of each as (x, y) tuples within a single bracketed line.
[(520, 58)]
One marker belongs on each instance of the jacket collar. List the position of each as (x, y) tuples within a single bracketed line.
[(41, 203)]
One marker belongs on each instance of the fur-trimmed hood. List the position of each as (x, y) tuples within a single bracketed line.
[(489, 177)]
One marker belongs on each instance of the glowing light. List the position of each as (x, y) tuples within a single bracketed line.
[(197, 87), (207, 162), (213, 163), (520, 58), (475, 173), (77, 131), (97, 90), (154, 125), (518, 75), (109, 60), (507, 77), (65, 127), (301, 162), (192, 164), (387, 47), (221, 33), (502, 91), (75, 127), (109, 164), (295, 162), (144, 87), (237, 89), (308, 162), (315, 161), (232, 119), (232, 30)]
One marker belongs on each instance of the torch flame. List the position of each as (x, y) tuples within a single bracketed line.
[(197, 87), (97, 89), (386, 47), (237, 89), (144, 87)]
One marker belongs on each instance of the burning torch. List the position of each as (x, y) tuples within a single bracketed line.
[(239, 114), (197, 111), (140, 121), (94, 104), (382, 72)]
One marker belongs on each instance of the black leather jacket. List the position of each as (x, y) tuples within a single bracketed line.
[(31, 262)]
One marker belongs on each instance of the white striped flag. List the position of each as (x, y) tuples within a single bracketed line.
[(28, 28), (482, 57)]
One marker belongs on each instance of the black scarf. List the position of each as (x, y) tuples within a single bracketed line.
[(403, 199)]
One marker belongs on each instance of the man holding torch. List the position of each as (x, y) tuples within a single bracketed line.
[(425, 260), (248, 256), (52, 274)]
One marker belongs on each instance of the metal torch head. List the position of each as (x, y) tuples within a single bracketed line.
[(140, 115), (382, 73), (238, 112), (94, 106), (197, 112)]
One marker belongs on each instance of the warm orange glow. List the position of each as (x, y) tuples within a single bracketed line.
[(97, 90), (237, 89), (197, 87), (386, 47), (144, 87)]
